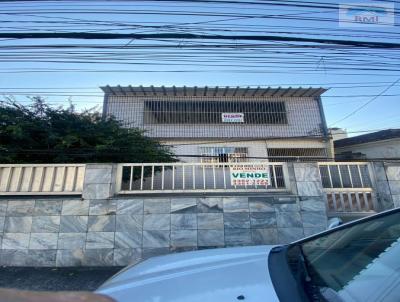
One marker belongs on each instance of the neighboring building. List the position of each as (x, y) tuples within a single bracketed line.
[(337, 133), (381, 144), (223, 124)]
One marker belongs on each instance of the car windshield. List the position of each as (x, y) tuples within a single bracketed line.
[(358, 263)]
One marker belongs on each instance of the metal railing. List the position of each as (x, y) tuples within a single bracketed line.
[(345, 175), (41, 179), (192, 177), (348, 187)]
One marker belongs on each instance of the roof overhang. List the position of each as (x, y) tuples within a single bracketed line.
[(215, 91), (383, 135)]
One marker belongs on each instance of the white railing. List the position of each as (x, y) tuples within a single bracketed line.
[(41, 179), (348, 187), (345, 174), (360, 201), (192, 177)]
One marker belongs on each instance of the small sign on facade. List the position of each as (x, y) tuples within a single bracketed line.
[(233, 117), (250, 175)]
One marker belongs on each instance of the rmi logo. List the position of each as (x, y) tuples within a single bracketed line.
[(361, 14)]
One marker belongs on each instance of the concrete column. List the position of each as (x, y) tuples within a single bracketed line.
[(99, 182), (382, 188), (291, 178), (393, 178), (312, 199)]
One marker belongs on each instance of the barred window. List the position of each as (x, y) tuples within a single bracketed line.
[(295, 154), (210, 112), (223, 154)]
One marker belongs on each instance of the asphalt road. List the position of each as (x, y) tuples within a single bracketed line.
[(55, 279)]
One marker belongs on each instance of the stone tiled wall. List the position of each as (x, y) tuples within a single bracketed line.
[(99, 182), (102, 229), (393, 182), (387, 179), (118, 231), (311, 197), (382, 188)]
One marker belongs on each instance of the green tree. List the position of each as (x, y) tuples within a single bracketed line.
[(39, 133)]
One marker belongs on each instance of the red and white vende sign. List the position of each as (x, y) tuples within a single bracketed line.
[(233, 117), (250, 175)]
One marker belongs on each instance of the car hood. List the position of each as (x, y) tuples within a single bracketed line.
[(207, 275)]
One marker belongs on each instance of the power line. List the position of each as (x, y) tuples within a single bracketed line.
[(108, 36), (107, 152), (368, 102), (227, 141), (355, 85)]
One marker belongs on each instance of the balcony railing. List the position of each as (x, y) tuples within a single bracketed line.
[(192, 177), (41, 179)]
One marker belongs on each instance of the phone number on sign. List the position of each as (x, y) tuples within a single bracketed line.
[(249, 182)]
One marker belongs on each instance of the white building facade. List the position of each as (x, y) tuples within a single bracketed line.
[(226, 124), (384, 144)]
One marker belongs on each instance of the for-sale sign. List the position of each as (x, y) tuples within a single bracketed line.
[(250, 175), (233, 117)]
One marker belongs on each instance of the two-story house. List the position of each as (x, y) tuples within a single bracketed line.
[(220, 124)]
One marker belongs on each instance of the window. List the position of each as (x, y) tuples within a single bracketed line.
[(295, 154), (223, 154), (357, 263), (210, 112)]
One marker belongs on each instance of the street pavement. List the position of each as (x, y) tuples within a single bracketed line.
[(55, 279)]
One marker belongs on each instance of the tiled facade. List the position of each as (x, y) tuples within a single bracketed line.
[(102, 229), (124, 230)]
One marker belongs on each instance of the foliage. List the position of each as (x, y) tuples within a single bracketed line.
[(40, 133)]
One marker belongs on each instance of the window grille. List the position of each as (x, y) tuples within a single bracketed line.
[(295, 154), (223, 154), (210, 112)]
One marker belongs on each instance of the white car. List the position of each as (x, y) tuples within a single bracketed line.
[(358, 261)]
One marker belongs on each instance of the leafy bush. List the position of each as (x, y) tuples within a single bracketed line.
[(39, 133)]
